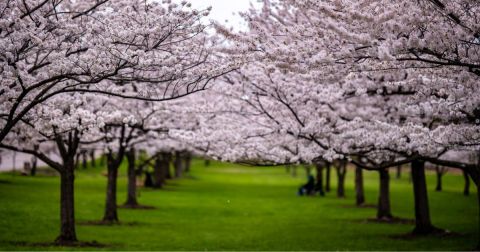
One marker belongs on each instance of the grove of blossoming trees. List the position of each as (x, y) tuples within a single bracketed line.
[(375, 83)]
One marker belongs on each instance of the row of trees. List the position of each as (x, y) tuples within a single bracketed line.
[(374, 83)]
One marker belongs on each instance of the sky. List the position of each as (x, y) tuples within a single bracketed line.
[(223, 10)]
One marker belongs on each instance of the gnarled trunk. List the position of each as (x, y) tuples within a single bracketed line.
[(132, 180), (359, 191), (423, 224), (383, 208)]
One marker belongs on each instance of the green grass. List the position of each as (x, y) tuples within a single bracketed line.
[(232, 207)]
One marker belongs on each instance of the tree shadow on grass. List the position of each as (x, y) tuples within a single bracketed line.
[(438, 232), (108, 223), (365, 205), (78, 244), (139, 207)]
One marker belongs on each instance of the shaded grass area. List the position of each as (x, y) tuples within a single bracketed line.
[(231, 207)]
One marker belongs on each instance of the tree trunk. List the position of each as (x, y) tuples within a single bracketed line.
[(168, 157), (207, 162), (359, 191), (319, 185), (92, 158), (67, 208), (439, 173), (383, 208), (399, 172), (132, 180), (327, 178), (466, 188), (159, 171), (341, 172), (33, 171), (111, 199), (423, 224), (188, 161), (177, 164), (84, 159)]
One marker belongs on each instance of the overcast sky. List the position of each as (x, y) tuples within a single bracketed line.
[(225, 10)]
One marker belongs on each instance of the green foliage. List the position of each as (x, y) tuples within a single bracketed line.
[(232, 207)]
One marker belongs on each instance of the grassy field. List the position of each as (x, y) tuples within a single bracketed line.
[(232, 207)]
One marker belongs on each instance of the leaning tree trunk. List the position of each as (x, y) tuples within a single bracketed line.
[(341, 172), (319, 185), (67, 208), (383, 208), (111, 199), (423, 224), (359, 191), (132, 180), (439, 173), (466, 188), (327, 178)]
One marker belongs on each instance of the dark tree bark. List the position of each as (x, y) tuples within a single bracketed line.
[(383, 208), (67, 206), (327, 177), (132, 180), (341, 172), (168, 157), (188, 161), (399, 172), (177, 164), (319, 184), (423, 224), (77, 160), (160, 170), (207, 162), (466, 188), (92, 158), (111, 214), (33, 171), (84, 159), (359, 191), (113, 163), (440, 171), (34, 160)]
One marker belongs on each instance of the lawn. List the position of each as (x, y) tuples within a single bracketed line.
[(232, 207)]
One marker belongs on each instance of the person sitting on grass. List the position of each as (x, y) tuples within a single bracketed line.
[(308, 188)]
